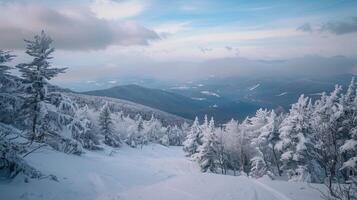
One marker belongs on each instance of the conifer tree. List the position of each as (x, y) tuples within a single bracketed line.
[(5, 57), (106, 126), (294, 144), (37, 73), (207, 155), (193, 139)]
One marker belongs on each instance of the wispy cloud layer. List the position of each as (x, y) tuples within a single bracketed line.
[(305, 28), (341, 27), (108, 9), (110, 38), (72, 28)]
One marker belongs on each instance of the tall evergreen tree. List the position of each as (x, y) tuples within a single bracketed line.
[(105, 122), (295, 144), (193, 139), (231, 137), (326, 122), (37, 73), (5, 57), (8, 89), (348, 130), (207, 155), (267, 158)]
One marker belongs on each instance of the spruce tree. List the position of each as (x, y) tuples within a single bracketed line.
[(294, 144), (5, 57), (8, 89), (207, 155), (36, 75), (193, 139), (105, 123)]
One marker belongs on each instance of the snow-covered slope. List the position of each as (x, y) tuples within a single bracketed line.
[(127, 107), (154, 172)]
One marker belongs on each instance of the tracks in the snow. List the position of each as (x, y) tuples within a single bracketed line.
[(274, 192)]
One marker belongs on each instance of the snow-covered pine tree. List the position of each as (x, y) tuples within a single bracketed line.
[(175, 135), (259, 161), (193, 139), (141, 137), (295, 143), (86, 133), (36, 75), (12, 162), (153, 131), (245, 149), (10, 103), (265, 145), (185, 127), (205, 124), (106, 126), (348, 131), (223, 161), (259, 166), (207, 152), (328, 126), (231, 138), (136, 132), (165, 140), (5, 57)]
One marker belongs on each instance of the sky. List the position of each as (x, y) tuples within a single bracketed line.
[(183, 40)]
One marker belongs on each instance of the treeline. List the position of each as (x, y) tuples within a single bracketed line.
[(314, 142)]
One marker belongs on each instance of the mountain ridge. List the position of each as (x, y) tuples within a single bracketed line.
[(221, 109)]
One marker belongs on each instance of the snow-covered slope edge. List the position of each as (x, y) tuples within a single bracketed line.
[(154, 172), (127, 107)]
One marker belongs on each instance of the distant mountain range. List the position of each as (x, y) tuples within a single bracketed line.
[(213, 105), (267, 92), (225, 98)]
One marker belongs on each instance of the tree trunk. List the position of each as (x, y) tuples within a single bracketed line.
[(34, 123), (276, 161)]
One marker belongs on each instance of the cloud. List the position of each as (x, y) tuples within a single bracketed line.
[(71, 29), (305, 28), (341, 27), (205, 50), (110, 9), (225, 67), (232, 49), (172, 28), (229, 48), (299, 66)]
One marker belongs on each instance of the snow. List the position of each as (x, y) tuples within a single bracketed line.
[(349, 145), (154, 172), (317, 94), (254, 87), (351, 163), (282, 94), (180, 88), (210, 93), (112, 82), (198, 98), (127, 107)]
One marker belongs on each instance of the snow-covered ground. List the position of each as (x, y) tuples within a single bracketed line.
[(208, 93), (154, 172), (254, 87)]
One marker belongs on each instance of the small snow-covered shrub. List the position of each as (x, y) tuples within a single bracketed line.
[(11, 152)]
